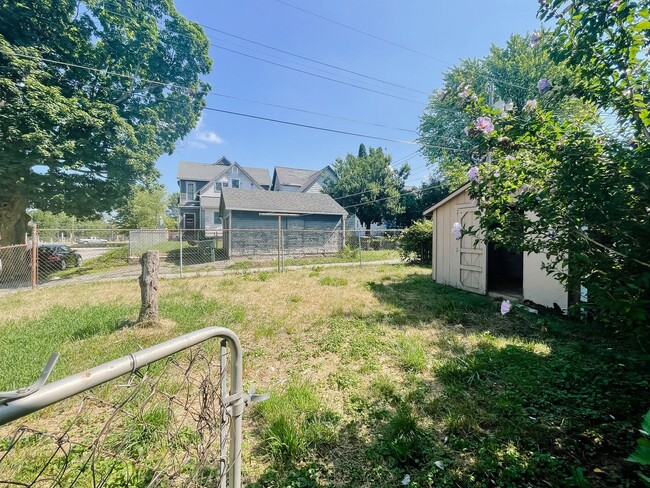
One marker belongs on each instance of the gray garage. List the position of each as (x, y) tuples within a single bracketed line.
[(256, 221)]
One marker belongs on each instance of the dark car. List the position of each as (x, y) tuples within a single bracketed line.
[(53, 257)]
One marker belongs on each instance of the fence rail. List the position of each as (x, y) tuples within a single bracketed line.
[(163, 426)]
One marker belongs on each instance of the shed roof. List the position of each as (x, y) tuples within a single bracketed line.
[(286, 202), (453, 194)]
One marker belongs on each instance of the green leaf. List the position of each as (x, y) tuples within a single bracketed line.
[(641, 26)]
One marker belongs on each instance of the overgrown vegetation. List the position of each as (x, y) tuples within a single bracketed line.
[(416, 241), (384, 376)]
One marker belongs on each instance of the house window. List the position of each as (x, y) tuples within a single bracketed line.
[(216, 218), (191, 190), (217, 186), (235, 170), (234, 183)]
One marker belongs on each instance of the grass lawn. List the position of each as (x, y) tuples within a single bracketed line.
[(350, 256), (375, 374)]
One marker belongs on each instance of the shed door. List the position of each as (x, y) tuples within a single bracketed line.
[(470, 252)]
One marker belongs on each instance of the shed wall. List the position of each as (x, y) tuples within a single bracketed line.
[(540, 287), (446, 266), (254, 234)]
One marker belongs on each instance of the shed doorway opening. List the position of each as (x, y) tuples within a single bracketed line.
[(505, 271)]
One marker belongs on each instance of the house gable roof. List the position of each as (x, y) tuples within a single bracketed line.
[(260, 175), (453, 194), (208, 171), (279, 202), (291, 176), (225, 169), (312, 179)]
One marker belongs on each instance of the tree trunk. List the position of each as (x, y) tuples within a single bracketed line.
[(13, 218), (150, 262)]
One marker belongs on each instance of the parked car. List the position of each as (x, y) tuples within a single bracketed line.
[(92, 240), (52, 257)]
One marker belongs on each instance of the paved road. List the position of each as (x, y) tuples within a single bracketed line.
[(91, 252)]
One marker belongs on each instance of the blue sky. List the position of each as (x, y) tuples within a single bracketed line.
[(447, 30)]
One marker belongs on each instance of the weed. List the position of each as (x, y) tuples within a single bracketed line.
[(412, 355), (333, 281), (295, 422)]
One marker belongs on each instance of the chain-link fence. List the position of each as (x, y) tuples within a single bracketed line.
[(16, 267), (174, 421), (83, 255)]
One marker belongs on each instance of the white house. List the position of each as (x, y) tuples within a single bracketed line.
[(200, 187)]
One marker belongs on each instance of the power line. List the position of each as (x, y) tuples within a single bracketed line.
[(268, 119), (308, 126), (316, 75), (292, 68), (312, 112), (313, 60), (359, 31), (306, 58)]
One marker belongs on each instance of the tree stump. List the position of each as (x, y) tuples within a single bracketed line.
[(150, 262)]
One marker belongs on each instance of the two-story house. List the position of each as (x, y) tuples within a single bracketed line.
[(200, 187)]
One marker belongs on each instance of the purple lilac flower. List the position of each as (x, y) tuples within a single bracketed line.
[(457, 231), (465, 92), (534, 39), (505, 307), (614, 5), (472, 173), (543, 85), (531, 105), (484, 124), (474, 202)]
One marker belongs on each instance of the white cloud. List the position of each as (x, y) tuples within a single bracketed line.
[(208, 136)]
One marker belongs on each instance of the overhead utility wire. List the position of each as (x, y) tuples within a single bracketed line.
[(212, 93), (299, 70), (363, 32), (312, 60), (489, 76), (285, 122)]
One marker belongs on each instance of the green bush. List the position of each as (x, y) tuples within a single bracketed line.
[(416, 242)]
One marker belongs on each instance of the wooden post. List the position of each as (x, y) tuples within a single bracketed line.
[(34, 256), (150, 262)]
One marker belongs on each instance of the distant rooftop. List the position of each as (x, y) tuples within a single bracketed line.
[(287, 202)]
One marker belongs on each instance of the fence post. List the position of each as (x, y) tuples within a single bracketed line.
[(279, 243), (34, 256), (180, 240), (360, 262)]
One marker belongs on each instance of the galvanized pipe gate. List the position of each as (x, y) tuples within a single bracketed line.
[(19, 403)]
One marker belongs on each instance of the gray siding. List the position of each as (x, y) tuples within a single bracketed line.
[(254, 234)]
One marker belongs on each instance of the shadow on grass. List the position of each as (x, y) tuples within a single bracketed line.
[(515, 400)]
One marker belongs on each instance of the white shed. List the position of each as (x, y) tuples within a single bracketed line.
[(471, 265)]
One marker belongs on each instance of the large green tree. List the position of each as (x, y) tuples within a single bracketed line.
[(511, 73), (418, 199), (76, 139), (368, 186)]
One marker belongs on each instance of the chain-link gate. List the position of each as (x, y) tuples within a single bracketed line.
[(168, 415)]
